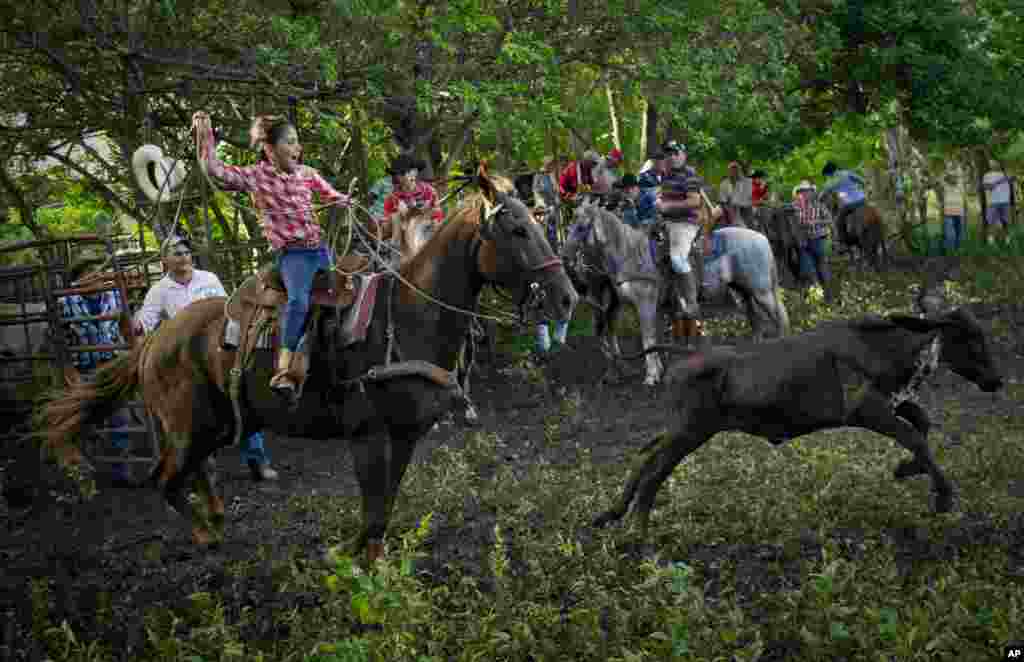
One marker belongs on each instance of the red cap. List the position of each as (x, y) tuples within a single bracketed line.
[(615, 155)]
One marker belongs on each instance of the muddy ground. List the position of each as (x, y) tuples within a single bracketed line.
[(126, 545)]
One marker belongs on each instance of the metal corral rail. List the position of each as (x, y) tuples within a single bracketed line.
[(35, 353)]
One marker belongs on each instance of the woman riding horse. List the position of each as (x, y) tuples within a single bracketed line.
[(282, 190)]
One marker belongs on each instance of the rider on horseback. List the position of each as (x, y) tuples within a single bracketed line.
[(409, 196), (850, 188), (282, 190), (679, 203)]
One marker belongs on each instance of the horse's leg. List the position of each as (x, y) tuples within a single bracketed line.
[(179, 462), (751, 305), (874, 413), (667, 450), (206, 488), (380, 462), (608, 302), (647, 311), (770, 304)]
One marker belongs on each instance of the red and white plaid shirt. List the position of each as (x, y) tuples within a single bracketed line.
[(285, 200), (423, 196)]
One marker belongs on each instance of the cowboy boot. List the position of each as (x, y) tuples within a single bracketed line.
[(282, 383), (679, 331)]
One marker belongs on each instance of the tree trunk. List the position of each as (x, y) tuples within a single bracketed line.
[(651, 122), (613, 116)]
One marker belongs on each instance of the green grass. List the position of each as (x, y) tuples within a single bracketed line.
[(812, 547)]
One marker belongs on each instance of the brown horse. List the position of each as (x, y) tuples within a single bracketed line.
[(383, 394), (863, 229)]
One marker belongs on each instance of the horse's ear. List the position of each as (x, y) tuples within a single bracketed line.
[(484, 182), (487, 214)]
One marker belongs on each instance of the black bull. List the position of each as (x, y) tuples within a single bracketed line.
[(851, 373)]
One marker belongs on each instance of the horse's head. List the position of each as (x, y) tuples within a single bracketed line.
[(522, 259)]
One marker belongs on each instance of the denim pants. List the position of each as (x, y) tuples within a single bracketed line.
[(952, 232), (544, 340), (251, 449), (298, 266), (814, 260)]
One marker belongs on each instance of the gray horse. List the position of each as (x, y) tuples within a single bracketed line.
[(616, 265), (619, 265)]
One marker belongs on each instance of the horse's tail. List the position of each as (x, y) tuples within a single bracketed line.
[(63, 413)]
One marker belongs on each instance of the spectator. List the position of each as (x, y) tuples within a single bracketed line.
[(627, 200), (953, 212), (606, 173), (759, 198), (577, 175), (410, 196), (181, 285), (735, 193), (814, 220), (103, 332), (997, 185), (545, 196)]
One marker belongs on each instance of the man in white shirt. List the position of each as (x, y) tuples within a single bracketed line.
[(181, 285), (997, 185)]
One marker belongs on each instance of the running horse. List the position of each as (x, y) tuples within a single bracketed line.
[(382, 394)]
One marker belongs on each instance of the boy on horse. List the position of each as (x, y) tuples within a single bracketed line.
[(409, 197), (850, 188), (282, 190)]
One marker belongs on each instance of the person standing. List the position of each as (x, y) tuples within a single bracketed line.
[(814, 220), (997, 185), (953, 211), (181, 285), (735, 193), (545, 196)]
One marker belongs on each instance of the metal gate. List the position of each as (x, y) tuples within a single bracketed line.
[(34, 352)]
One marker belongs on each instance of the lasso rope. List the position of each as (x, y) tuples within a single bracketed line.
[(353, 226)]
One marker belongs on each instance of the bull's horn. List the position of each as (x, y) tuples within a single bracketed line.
[(169, 173)]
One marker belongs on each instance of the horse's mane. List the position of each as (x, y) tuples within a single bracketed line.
[(621, 240), (461, 225)]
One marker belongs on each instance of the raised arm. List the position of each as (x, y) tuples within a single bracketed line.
[(232, 178)]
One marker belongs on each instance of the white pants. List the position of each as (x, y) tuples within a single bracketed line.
[(680, 241)]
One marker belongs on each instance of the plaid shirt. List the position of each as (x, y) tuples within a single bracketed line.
[(423, 196), (812, 216), (285, 200)]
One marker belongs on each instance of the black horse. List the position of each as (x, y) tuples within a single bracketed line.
[(861, 373)]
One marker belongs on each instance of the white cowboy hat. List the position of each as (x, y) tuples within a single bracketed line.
[(804, 185), (168, 173)]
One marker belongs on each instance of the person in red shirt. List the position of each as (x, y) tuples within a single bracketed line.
[(410, 196), (758, 195), (569, 183)]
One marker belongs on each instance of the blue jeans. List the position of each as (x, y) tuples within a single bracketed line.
[(814, 260), (252, 449), (952, 232), (298, 266), (544, 340)]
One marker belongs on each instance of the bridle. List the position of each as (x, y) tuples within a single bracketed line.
[(533, 296)]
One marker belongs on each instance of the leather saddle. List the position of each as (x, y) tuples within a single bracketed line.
[(334, 289)]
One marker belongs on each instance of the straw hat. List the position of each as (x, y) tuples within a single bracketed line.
[(804, 185)]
